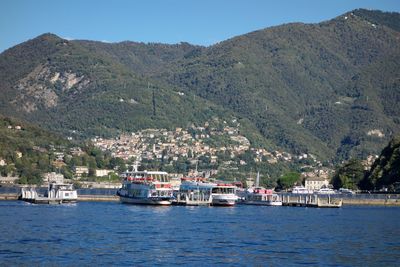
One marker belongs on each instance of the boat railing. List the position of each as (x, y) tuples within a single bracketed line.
[(193, 179)]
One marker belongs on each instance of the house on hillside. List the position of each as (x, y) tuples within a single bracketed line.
[(102, 172), (53, 177), (80, 170)]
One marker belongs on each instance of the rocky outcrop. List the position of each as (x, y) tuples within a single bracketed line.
[(44, 86)]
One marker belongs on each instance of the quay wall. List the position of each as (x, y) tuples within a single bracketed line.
[(80, 197), (106, 198), (369, 201), (8, 196), (372, 199), (363, 199)]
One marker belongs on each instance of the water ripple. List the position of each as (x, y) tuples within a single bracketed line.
[(115, 234)]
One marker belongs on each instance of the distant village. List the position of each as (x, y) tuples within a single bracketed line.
[(192, 143)]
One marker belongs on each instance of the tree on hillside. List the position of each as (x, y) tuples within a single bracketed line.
[(349, 175), (288, 180)]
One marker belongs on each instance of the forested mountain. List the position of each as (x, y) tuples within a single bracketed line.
[(68, 86), (331, 89)]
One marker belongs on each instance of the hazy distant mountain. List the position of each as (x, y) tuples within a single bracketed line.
[(331, 88)]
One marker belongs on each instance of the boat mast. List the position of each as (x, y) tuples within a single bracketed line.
[(258, 179)]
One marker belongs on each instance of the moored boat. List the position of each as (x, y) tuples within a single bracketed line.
[(325, 191), (56, 194), (146, 187), (263, 197), (301, 190), (194, 192), (224, 194)]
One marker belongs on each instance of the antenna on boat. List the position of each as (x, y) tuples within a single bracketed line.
[(135, 166), (197, 163)]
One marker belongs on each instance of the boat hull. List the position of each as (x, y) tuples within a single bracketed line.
[(50, 201), (223, 201), (145, 201), (191, 203), (263, 203)]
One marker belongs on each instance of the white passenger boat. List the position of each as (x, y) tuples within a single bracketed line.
[(260, 196), (146, 187), (301, 190), (346, 191), (56, 194), (194, 192), (263, 197), (224, 195), (326, 191)]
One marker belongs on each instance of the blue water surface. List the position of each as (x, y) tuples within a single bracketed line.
[(99, 233)]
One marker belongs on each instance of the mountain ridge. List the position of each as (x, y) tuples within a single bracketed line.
[(306, 87)]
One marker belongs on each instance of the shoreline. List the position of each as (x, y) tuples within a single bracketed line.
[(114, 198), (371, 202), (83, 198)]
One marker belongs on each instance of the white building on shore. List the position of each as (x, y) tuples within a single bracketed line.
[(53, 177), (316, 183)]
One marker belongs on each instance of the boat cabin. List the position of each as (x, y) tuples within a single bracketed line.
[(224, 189), (146, 176)]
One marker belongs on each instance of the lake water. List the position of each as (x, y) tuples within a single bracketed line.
[(95, 233)]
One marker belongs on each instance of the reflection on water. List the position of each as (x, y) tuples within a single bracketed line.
[(117, 234), (148, 209)]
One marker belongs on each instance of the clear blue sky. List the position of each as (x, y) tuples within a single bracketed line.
[(203, 22)]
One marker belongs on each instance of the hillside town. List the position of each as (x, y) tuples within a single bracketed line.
[(193, 143)]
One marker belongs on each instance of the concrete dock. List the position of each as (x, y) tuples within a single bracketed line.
[(80, 197), (369, 201), (354, 199), (311, 200), (98, 198)]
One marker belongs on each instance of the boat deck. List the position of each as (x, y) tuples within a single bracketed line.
[(197, 199)]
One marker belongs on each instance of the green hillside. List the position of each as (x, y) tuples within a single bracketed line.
[(385, 172), (27, 150), (330, 89)]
